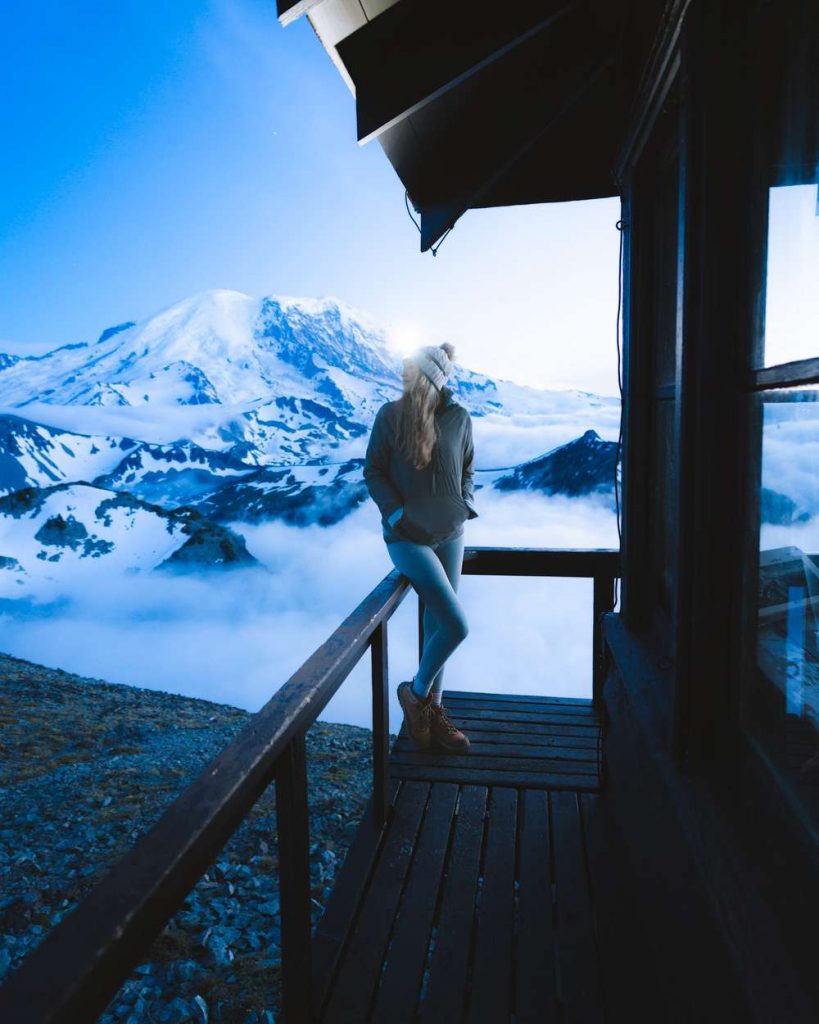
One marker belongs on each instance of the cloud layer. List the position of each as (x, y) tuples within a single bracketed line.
[(236, 637)]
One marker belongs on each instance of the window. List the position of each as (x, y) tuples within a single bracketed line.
[(792, 291), (782, 699), (785, 697)]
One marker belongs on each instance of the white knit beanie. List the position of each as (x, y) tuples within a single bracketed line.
[(434, 363)]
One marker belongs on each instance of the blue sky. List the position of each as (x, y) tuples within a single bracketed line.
[(156, 150)]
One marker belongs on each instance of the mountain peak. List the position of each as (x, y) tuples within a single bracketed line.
[(583, 466), (324, 304), (215, 305)]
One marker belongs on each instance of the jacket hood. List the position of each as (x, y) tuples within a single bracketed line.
[(447, 396)]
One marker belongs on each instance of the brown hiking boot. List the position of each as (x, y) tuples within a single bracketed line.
[(416, 714), (443, 732)]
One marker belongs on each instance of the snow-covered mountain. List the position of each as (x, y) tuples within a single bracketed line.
[(281, 380), (223, 407), (584, 466), (35, 455), (215, 483), (152, 446), (226, 490), (52, 532), (217, 348)]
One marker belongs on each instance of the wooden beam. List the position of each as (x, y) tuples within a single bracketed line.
[(545, 120), (725, 200), (291, 10), (438, 219), (414, 53), (381, 725), (603, 604), (540, 562), (785, 375), (661, 69)]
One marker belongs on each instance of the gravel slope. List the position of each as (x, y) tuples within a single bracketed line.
[(86, 766)]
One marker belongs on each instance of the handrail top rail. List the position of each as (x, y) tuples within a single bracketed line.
[(520, 561)]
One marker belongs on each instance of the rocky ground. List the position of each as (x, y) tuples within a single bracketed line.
[(86, 766)]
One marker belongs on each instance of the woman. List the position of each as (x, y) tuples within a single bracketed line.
[(418, 471)]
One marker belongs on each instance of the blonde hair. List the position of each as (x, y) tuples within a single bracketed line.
[(417, 429)]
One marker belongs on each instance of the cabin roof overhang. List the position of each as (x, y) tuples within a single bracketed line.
[(479, 104)]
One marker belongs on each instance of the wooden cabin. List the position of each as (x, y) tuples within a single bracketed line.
[(651, 854)]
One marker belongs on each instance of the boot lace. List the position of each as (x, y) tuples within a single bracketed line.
[(425, 714), (443, 718)]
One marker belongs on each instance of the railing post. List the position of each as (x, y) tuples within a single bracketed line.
[(420, 628), (381, 725), (603, 603), (292, 827)]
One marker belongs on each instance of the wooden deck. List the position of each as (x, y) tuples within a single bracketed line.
[(496, 892), (531, 742)]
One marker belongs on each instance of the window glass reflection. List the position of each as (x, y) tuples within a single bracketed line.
[(786, 698)]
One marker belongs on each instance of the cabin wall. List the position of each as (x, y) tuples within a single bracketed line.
[(726, 890), (722, 835), (692, 958)]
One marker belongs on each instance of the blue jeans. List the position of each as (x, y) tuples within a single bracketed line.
[(434, 573)]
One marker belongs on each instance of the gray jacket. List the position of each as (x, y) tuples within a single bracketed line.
[(436, 499)]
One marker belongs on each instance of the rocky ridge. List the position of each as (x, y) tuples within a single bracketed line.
[(87, 766)]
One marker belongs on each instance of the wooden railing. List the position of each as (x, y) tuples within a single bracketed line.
[(602, 566), (77, 969)]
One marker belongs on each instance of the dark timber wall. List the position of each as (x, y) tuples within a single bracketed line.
[(730, 871)]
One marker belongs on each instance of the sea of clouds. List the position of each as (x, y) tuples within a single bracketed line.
[(235, 637)]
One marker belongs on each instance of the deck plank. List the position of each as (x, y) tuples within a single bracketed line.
[(333, 927), (401, 981), (446, 989), (491, 988), (505, 765), (490, 777), (514, 698), (409, 933), (535, 985), (491, 738), (501, 708), (350, 997), (404, 745), (512, 728), (481, 713), (578, 962)]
